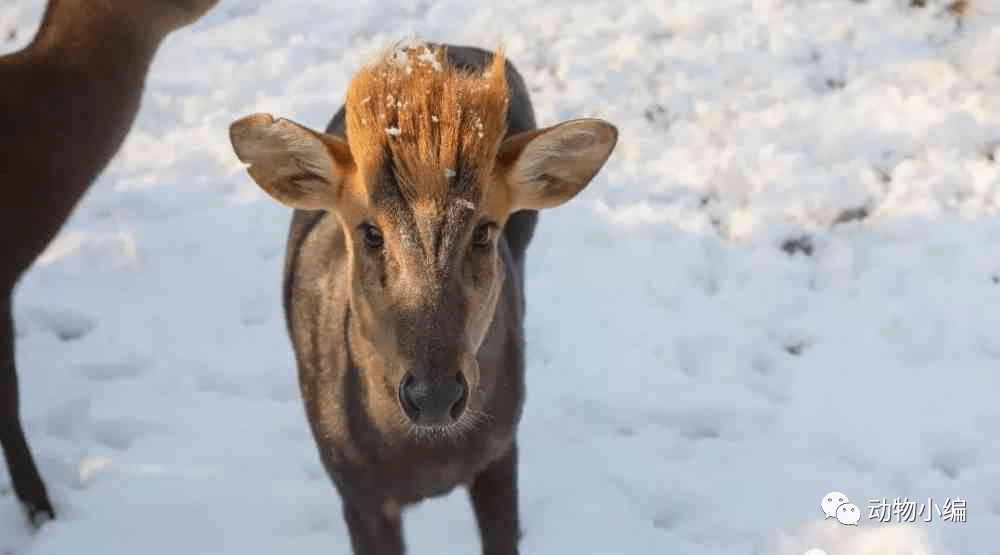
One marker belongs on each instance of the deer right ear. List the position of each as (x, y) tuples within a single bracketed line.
[(297, 166), (547, 167)]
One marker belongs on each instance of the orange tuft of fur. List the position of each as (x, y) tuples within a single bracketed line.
[(429, 119)]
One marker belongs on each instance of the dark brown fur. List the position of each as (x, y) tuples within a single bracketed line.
[(68, 101), (404, 272)]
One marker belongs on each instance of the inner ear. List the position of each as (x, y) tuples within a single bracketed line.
[(547, 167), (297, 166)]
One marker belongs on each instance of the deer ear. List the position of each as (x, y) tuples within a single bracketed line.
[(297, 166), (547, 167)]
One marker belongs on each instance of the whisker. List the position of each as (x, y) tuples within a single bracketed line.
[(453, 432)]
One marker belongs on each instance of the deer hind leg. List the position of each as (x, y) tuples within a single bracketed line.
[(24, 475)]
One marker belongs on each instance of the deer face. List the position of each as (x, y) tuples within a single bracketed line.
[(421, 204)]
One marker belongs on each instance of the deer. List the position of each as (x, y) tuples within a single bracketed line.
[(403, 286), (69, 99)]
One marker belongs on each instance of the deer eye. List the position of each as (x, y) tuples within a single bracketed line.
[(372, 235), (482, 234)]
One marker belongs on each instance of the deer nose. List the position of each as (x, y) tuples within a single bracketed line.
[(433, 402)]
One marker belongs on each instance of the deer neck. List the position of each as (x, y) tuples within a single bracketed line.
[(96, 37), (79, 84)]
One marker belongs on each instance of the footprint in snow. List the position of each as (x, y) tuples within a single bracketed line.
[(796, 344), (951, 454), (946, 467), (693, 424), (949, 463), (69, 420), (126, 368), (699, 429), (597, 417), (64, 323), (666, 509), (120, 434)]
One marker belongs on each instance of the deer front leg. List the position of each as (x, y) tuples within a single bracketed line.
[(494, 498), (24, 475), (378, 532)]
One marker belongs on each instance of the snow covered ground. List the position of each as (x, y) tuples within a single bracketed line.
[(710, 354)]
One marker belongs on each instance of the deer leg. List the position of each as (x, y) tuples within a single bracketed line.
[(494, 498), (24, 475), (374, 532)]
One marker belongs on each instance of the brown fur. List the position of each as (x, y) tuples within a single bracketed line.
[(429, 302), (68, 101)]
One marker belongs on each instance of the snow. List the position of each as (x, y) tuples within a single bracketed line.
[(716, 337), (428, 57)]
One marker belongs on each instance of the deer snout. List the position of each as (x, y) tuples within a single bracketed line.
[(433, 402)]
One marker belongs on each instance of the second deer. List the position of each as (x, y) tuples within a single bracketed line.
[(68, 100)]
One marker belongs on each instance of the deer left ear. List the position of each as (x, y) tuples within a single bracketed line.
[(548, 167)]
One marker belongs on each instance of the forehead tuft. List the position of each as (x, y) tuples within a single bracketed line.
[(433, 126)]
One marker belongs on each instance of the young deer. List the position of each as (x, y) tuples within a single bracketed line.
[(68, 100), (403, 298)]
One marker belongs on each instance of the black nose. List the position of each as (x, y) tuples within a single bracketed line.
[(433, 402)]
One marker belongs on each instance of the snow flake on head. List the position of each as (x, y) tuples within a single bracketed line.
[(430, 59), (400, 58), (464, 203)]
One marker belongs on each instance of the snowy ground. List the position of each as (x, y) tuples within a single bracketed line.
[(693, 387)]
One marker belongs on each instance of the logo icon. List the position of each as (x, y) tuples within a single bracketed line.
[(837, 505), (848, 514), (831, 502)]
